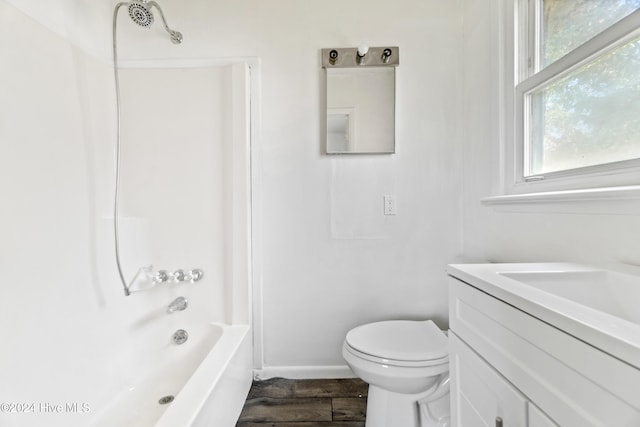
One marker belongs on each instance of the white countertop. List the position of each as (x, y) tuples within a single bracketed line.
[(596, 306)]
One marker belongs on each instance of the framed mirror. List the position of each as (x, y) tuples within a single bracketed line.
[(360, 95)]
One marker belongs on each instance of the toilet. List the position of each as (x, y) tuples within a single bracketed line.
[(406, 364)]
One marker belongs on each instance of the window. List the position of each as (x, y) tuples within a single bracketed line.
[(578, 91)]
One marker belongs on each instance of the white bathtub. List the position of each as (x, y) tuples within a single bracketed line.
[(209, 375)]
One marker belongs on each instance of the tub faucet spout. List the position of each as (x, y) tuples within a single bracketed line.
[(177, 304)]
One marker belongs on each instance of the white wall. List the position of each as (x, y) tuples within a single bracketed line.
[(598, 233)]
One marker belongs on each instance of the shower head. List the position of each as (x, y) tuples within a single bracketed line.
[(140, 13)]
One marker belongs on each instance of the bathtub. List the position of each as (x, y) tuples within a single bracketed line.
[(208, 377)]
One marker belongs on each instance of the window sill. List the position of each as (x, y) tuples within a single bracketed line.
[(601, 200)]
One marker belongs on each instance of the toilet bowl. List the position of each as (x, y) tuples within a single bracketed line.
[(406, 364)]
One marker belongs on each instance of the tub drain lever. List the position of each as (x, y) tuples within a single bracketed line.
[(177, 304)]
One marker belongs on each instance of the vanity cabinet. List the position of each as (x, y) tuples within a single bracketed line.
[(510, 368), (483, 397)]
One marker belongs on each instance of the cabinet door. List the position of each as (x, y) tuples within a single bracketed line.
[(480, 396)]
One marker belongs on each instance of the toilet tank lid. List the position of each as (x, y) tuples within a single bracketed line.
[(406, 340)]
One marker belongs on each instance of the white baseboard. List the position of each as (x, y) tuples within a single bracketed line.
[(303, 372)]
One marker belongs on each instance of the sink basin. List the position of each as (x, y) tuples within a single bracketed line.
[(612, 293), (597, 306)]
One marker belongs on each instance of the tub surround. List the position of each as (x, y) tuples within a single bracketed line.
[(77, 339)]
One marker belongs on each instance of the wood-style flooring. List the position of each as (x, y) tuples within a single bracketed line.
[(281, 402)]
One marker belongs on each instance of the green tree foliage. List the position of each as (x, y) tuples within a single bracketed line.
[(592, 115), (566, 24)]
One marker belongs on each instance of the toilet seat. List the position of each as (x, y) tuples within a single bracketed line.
[(397, 363), (399, 343)]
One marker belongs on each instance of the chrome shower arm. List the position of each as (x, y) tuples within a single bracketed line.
[(176, 36)]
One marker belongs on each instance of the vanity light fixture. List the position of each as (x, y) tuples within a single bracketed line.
[(362, 56)]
